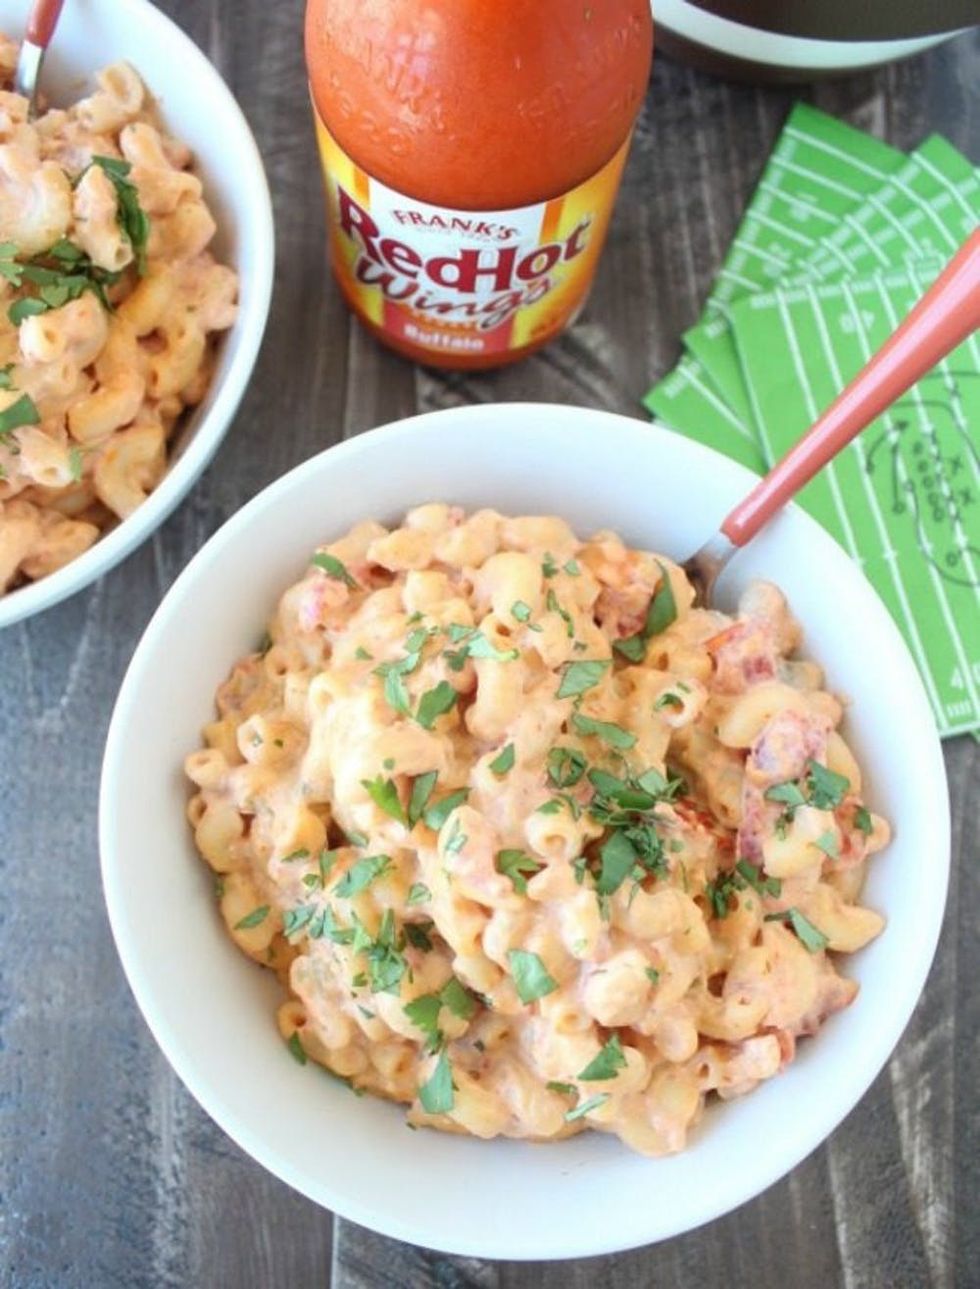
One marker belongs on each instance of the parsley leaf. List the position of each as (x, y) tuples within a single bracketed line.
[(362, 655), (787, 794), (6, 378), (333, 567), (21, 412), (436, 815), (252, 919), (423, 1012), (531, 977), (458, 999), (863, 821), (548, 566), (554, 607), (418, 893), (828, 843), (572, 568), (661, 612), (578, 677), (606, 1064), (296, 1048), (518, 866), (434, 703), (811, 937), (480, 647), (436, 1094), (384, 794), (361, 874), (566, 765), (504, 761), (827, 789), (618, 856), (421, 792), (612, 734), (76, 461), (130, 215), (395, 693), (566, 1089), (652, 974), (520, 611), (584, 1107)]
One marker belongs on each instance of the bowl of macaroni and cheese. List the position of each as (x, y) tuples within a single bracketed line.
[(458, 815), (136, 253)]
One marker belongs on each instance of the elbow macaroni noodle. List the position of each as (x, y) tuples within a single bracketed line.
[(108, 379), (534, 844)]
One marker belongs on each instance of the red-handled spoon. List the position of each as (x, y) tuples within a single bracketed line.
[(944, 317), (41, 23)]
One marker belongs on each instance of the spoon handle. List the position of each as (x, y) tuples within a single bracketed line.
[(42, 21), (944, 317)]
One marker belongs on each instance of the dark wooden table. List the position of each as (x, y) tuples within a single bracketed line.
[(111, 1175)]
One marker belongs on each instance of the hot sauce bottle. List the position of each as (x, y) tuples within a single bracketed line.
[(472, 151)]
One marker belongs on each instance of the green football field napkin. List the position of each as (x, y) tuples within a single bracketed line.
[(841, 237)]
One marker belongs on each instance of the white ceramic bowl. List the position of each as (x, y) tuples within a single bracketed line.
[(212, 1011), (199, 109)]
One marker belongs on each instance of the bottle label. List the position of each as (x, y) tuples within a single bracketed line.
[(461, 281)]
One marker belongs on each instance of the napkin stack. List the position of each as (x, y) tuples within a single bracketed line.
[(843, 234)]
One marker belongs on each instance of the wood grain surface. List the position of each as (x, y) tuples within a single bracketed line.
[(110, 1174)]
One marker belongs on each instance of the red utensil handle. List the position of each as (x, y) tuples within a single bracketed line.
[(944, 317), (42, 21)]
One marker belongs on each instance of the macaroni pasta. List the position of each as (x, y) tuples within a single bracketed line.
[(534, 844), (109, 304)]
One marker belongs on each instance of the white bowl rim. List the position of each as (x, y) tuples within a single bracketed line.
[(185, 470), (572, 1243)]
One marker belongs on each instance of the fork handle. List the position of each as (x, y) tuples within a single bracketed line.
[(42, 21), (944, 317)]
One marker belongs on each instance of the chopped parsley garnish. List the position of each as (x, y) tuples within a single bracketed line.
[(473, 644), (436, 815), (667, 699), (863, 821), (606, 1064), (572, 568), (579, 677), (436, 1094), (652, 974), (294, 920), (435, 703), (362, 655), (617, 857), (21, 412), (357, 839), (819, 787), (333, 567), (423, 1012), (396, 695), (296, 1048), (361, 874), (661, 613), (418, 893), (295, 855), (554, 607), (504, 760), (386, 963), (826, 789), (566, 765), (384, 794), (584, 1107), (458, 999), (420, 794), (130, 215), (6, 376), (548, 566), (520, 611), (76, 462), (828, 843), (551, 807), (518, 866), (253, 919), (739, 878), (622, 740), (566, 1089), (62, 273), (811, 937), (456, 840), (531, 977)]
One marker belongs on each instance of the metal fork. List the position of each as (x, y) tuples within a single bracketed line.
[(41, 23)]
